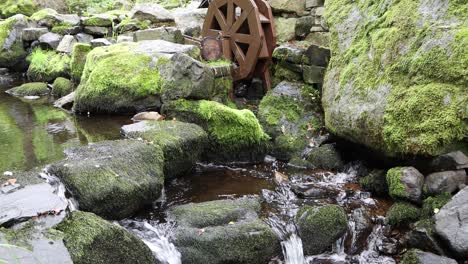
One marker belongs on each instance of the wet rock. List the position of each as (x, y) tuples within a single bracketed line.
[(28, 202), (113, 179), (326, 157), (100, 42), (12, 52), (405, 183), (181, 143), (234, 135), (65, 102), (190, 20), (30, 89), (171, 34), (446, 181), (152, 12), (402, 213), (388, 246), (147, 116), (225, 231), (375, 182), (99, 20), (315, 192), (421, 257), (91, 239), (84, 38), (50, 40), (456, 160), (320, 227), (362, 227), (451, 223), (289, 54), (30, 243), (97, 31), (66, 44), (422, 237), (31, 34), (61, 87)]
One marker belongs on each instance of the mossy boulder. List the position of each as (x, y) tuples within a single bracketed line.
[(113, 179), (47, 65), (128, 77), (30, 89), (12, 52), (402, 213), (434, 203), (405, 183), (326, 157), (397, 77), (320, 227), (181, 143), (234, 135), (225, 231), (375, 182), (78, 60), (61, 87), (415, 256), (10, 8), (91, 239), (289, 114)]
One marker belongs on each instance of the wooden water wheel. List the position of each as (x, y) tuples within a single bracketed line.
[(246, 31)]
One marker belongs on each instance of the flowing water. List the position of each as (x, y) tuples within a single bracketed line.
[(34, 134)]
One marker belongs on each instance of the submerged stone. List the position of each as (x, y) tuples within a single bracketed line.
[(30, 89), (181, 143), (91, 239), (113, 179)]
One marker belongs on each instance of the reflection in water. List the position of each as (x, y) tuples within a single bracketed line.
[(33, 133)]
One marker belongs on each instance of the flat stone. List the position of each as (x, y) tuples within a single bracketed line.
[(446, 181), (84, 38), (99, 20), (28, 202), (31, 34), (147, 116), (51, 40), (313, 3), (97, 31), (66, 101), (100, 42), (288, 6), (70, 19), (317, 56), (170, 34), (313, 74), (152, 12), (66, 44), (121, 39)]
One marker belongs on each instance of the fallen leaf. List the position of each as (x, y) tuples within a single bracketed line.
[(11, 181), (280, 177), (201, 231), (436, 210), (231, 223)]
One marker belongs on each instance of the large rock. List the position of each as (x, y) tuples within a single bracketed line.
[(234, 135), (152, 12), (451, 223), (289, 6), (422, 237), (391, 92), (91, 239), (128, 77), (78, 60), (12, 51), (326, 157), (320, 227), (446, 181), (456, 160), (405, 183), (415, 256), (113, 179), (288, 114), (50, 40), (285, 29), (190, 20), (181, 143), (30, 89), (10, 8), (99, 20), (31, 34), (225, 231), (66, 44), (171, 34)]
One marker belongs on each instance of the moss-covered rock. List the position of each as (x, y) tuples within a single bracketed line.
[(91, 239), (46, 17), (326, 157), (289, 114), (10, 8), (233, 134), (12, 51), (432, 204), (61, 87), (375, 182), (78, 60), (47, 65), (397, 78), (30, 89), (320, 227), (405, 183), (402, 213), (181, 143), (231, 232), (87, 7), (415, 256), (113, 179)]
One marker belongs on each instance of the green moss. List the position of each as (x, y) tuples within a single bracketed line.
[(20, 237), (91, 239), (219, 63), (128, 24), (46, 13), (78, 60), (46, 65), (30, 89), (396, 189), (282, 73), (45, 114), (434, 202), (87, 7), (402, 214), (287, 146), (62, 28), (410, 257), (229, 127), (10, 8), (61, 87), (394, 46), (9, 56)]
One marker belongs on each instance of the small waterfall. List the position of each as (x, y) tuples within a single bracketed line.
[(292, 250), (60, 189), (371, 254), (157, 237)]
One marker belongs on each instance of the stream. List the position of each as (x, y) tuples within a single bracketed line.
[(35, 134)]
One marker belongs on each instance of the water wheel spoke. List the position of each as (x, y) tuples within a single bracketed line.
[(221, 20), (230, 13), (245, 14), (212, 33), (243, 38), (238, 53)]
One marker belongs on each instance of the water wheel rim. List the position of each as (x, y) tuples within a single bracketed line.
[(222, 21)]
